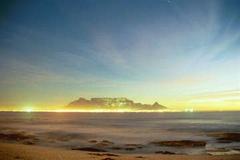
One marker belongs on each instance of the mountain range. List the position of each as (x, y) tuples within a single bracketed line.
[(112, 104)]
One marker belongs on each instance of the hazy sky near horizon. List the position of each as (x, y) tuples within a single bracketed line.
[(181, 53)]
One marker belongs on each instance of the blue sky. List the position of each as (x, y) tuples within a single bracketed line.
[(171, 51)]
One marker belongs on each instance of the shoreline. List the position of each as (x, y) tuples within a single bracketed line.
[(13, 151)]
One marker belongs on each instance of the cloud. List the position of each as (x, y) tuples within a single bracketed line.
[(218, 96)]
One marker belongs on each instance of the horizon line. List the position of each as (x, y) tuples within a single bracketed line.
[(116, 111)]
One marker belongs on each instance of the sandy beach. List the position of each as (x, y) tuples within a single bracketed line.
[(9, 151)]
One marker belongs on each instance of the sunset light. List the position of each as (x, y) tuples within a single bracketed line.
[(28, 109), (119, 79)]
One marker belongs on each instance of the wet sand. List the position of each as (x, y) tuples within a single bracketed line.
[(10, 151)]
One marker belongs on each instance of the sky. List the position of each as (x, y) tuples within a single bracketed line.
[(181, 53)]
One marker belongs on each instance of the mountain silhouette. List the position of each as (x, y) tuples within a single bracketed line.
[(112, 103)]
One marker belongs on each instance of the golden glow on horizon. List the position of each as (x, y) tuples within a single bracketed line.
[(210, 101), (106, 110), (28, 109), (189, 110)]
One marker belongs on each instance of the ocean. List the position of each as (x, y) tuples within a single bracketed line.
[(123, 132)]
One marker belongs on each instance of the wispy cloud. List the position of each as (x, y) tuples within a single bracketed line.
[(219, 96)]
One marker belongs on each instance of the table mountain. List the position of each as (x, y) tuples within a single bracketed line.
[(112, 104)]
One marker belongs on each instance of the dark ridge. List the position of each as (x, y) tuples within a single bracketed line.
[(112, 103), (182, 143), (89, 149)]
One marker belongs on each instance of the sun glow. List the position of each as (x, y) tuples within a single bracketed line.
[(106, 110), (29, 109)]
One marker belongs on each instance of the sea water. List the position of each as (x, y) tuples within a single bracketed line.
[(70, 130)]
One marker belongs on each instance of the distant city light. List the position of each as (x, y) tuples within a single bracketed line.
[(28, 109), (189, 110)]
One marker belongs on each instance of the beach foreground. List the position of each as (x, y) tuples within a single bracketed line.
[(9, 151)]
